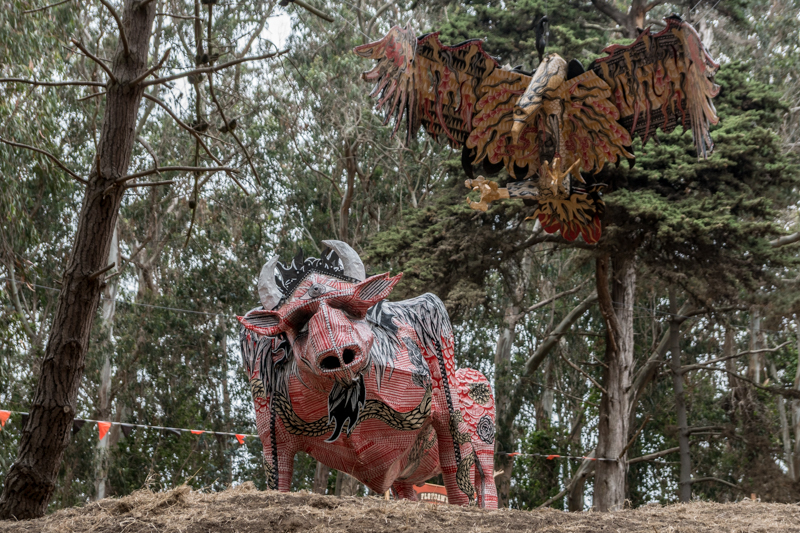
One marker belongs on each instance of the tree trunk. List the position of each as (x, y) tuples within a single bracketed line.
[(504, 436), (785, 433), (755, 360), (346, 485), (321, 478), (613, 424), (30, 482), (685, 479), (796, 412), (103, 409)]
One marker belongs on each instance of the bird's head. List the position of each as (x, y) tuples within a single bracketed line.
[(546, 80)]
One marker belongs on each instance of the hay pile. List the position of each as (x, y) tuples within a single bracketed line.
[(243, 509)]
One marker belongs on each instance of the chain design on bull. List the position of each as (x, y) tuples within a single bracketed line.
[(409, 421), (480, 393), (463, 478), (425, 441), (272, 483)]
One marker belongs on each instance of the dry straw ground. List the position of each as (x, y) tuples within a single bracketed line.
[(243, 509)]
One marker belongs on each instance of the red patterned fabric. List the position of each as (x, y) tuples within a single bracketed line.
[(369, 387)]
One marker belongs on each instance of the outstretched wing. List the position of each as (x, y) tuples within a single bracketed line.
[(437, 86), (661, 81)]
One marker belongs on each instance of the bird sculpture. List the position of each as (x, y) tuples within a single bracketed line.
[(546, 128)]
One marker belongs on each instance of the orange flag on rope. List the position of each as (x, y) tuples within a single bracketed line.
[(240, 438), (103, 428), (197, 432), (3, 418)]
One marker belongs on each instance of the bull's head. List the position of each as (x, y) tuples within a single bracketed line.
[(319, 306)]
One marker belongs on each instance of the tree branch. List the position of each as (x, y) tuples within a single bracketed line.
[(122, 35), (230, 129), (378, 13), (205, 70), (786, 239), (53, 83), (150, 184), (153, 69), (48, 154), (309, 8), (195, 135), (652, 456), (584, 470), (554, 298), (610, 11), (582, 371), (94, 95), (705, 366), (173, 169), (45, 7), (701, 479), (95, 59)]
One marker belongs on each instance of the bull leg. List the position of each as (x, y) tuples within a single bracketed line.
[(456, 455), (279, 452), (477, 403), (404, 490)]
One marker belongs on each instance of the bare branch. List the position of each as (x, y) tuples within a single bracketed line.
[(554, 298), (144, 173), (610, 11), (706, 365), (310, 9), (786, 239), (45, 7), (101, 93), (701, 479), (122, 35), (53, 83), (150, 184), (153, 69), (230, 130), (48, 154), (651, 456), (93, 276), (591, 26), (585, 374), (184, 17), (633, 439), (205, 70), (378, 13), (95, 59), (584, 470)]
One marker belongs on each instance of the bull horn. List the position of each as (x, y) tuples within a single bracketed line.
[(353, 267), (268, 290)]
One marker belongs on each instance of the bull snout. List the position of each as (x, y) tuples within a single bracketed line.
[(338, 346)]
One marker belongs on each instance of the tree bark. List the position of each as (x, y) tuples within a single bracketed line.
[(504, 437), (613, 424), (104, 393), (796, 412), (685, 479), (321, 478), (346, 485), (30, 482)]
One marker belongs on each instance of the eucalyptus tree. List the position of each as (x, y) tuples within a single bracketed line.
[(125, 67)]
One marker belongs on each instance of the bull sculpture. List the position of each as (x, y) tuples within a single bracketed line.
[(364, 385)]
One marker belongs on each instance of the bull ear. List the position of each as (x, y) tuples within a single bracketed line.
[(376, 288), (262, 322)]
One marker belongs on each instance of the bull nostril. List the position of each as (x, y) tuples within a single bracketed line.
[(330, 363), (348, 355)]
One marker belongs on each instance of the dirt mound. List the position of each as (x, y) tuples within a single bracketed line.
[(243, 509)]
